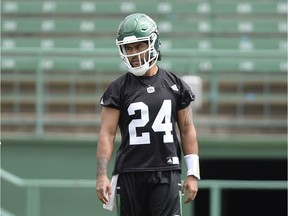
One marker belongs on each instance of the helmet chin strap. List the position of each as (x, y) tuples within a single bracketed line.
[(140, 71)]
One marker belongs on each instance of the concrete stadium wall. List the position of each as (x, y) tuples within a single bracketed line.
[(76, 159), (56, 160), (51, 161)]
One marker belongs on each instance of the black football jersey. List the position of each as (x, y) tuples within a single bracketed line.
[(148, 120)]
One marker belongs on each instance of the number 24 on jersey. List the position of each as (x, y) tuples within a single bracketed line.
[(162, 123)]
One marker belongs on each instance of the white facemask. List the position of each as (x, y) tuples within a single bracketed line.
[(152, 54)]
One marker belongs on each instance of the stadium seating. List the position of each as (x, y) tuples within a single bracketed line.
[(88, 43), (166, 25), (153, 7), (59, 56)]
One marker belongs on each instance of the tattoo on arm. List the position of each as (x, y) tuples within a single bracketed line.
[(187, 117), (102, 166)]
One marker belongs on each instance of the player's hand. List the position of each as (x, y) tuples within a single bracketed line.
[(191, 186), (103, 188)]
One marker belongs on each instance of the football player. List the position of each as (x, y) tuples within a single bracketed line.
[(150, 105)]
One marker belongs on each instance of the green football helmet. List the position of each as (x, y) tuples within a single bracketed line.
[(139, 27)]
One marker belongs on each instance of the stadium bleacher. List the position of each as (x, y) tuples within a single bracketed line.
[(76, 25), (59, 56), (88, 43), (116, 7)]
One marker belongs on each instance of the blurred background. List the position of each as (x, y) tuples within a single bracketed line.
[(58, 57)]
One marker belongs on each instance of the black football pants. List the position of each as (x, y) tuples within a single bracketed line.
[(149, 193)]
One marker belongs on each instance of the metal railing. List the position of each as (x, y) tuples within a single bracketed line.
[(215, 188)]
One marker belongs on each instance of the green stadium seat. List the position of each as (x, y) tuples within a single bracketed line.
[(249, 26), (110, 26), (248, 65), (151, 7), (59, 25), (56, 42), (224, 64), (230, 43), (50, 63), (249, 7), (79, 7), (91, 43), (200, 60)]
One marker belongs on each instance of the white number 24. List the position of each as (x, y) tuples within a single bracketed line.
[(162, 123)]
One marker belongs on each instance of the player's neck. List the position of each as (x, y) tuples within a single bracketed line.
[(152, 71)]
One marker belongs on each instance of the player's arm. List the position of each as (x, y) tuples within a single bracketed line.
[(109, 124), (187, 131), (190, 150)]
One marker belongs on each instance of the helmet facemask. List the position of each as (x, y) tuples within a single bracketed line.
[(145, 63)]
